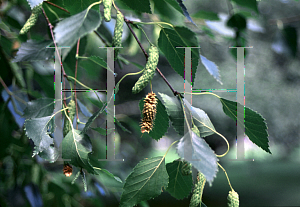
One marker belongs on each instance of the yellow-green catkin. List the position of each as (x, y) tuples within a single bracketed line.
[(32, 19), (149, 70), (117, 38), (198, 190), (233, 199), (107, 10), (71, 113)]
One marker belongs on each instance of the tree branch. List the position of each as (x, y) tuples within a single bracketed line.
[(146, 55)]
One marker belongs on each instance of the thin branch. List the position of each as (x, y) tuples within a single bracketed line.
[(76, 66), (146, 55), (59, 58), (101, 38), (48, 2)]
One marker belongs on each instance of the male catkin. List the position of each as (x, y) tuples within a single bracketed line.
[(149, 70), (198, 190), (107, 10), (233, 199), (149, 112), (71, 114), (117, 38), (32, 19)]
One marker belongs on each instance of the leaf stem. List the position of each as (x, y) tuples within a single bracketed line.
[(76, 66), (170, 148), (226, 175)]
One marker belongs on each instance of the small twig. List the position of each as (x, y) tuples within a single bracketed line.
[(101, 38), (76, 66), (285, 20), (230, 8), (48, 2), (62, 67), (146, 55)]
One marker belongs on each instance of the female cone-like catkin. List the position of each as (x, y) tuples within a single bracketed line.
[(117, 38), (32, 19), (107, 10), (198, 190), (233, 199), (68, 169), (149, 113), (149, 70)]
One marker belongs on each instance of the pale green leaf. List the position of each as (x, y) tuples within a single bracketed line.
[(196, 151), (39, 108), (69, 30), (36, 129), (201, 120)]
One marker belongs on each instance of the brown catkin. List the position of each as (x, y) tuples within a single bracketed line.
[(68, 169), (149, 112)]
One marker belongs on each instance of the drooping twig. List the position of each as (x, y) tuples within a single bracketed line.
[(76, 66), (59, 58), (48, 2)]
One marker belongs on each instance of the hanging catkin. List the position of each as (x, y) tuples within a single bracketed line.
[(32, 19), (233, 199), (198, 190), (149, 112), (107, 10), (149, 70), (117, 38)]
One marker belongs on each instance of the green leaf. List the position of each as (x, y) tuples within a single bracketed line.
[(180, 185), (69, 30), (102, 131), (212, 68), (138, 6), (161, 122), (36, 129), (175, 112), (175, 5), (196, 151), (202, 121), (72, 7), (169, 39), (92, 119), (100, 170), (255, 126), (39, 108), (251, 4), (185, 12), (237, 21), (203, 14), (77, 146), (34, 51), (145, 181)]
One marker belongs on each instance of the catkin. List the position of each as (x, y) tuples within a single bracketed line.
[(233, 199), (198, 190), (107, 10), (32, 19), (149, 112), (149, 70), (117, 38), (186, 168), (71, 114)]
